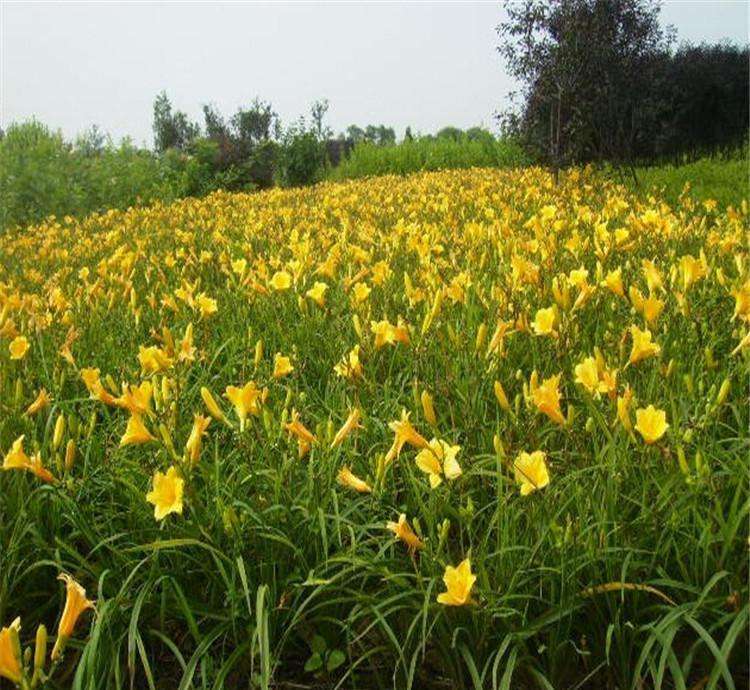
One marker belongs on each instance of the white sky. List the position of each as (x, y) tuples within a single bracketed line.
[(424, 64)]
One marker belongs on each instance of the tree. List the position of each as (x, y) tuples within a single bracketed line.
[(318, 112), (172, 130), (587, 68)]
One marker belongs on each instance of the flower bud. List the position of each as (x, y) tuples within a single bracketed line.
[(70, 454), (40, 649), (57, 437)]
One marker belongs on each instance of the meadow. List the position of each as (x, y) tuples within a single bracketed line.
[(459, 429)]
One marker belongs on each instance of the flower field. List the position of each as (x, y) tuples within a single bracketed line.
[(468, 429)]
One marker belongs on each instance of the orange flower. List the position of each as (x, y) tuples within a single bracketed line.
[(75, 604)]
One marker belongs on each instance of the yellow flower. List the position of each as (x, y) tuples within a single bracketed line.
[(350, 366), (613, 282), (530, 470), (642, 345), (18, 347), (388, 334), (153, 359), (405, 533), (360, 292), (651, 423), (136, 399), (205, 305), (438, 460), (346, 478), (544, 321), (623, 408), (317, 293), (404, 433), (136, 432), (281, 281), (16, 459), (95, 387), (587, 374), (305, 438), (41, 402), (692, 270), (594, 377), (458, 583), (547, 397), (653, 277), (246, 400), (651, 308), (10, 652), (195, 440), (75, 604), (166, 495), (351, 423), (281, 366), (187, 351)]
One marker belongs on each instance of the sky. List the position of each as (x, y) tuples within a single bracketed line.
[(423, 64)]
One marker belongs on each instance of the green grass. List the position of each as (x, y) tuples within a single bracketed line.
[(726, 181), (367, 160)]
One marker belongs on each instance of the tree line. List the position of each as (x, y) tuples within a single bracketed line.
[(601, 80)]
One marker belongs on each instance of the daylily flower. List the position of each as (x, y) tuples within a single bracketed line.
[(530, 470), (317, 293), (41, 402), (351, 423), (651, 423), (405, 533), (281, 281), (347, 478), (404, 433), (305, 438), (458, 583), (642, 345), (246, 400), (75, 604), (350, 366), (10, 652), (18, 347), (166, 495), (547, 397), (95, 387), (281, 366), (153, 359), (544, 321), (438, 460), (195, 440), (136, 399), (136, 432)]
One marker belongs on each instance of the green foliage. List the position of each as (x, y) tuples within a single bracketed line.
[(440, 153), (724, 180), (303, 159), (42, 175)]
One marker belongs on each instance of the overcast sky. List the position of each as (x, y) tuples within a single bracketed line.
[(424, 64)]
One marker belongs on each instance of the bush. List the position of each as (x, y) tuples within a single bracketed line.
[(304, 158), (431, 153), (42, 175)]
